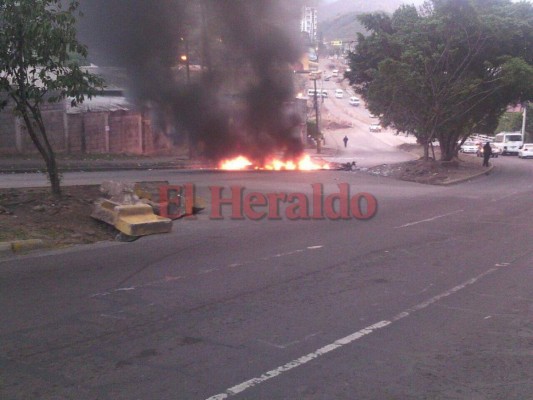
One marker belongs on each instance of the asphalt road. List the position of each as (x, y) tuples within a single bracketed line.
[(367, 148), (430, 299)]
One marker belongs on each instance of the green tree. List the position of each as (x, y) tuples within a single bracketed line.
[(446, 70), (36, 66), (512, 122)]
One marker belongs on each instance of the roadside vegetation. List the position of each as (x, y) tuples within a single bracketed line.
[(512, 122), (446, 70), (40, 64)]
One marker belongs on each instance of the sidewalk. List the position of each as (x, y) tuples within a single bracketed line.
[(34, 163)]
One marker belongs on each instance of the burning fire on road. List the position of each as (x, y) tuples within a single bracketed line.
[(303, 163), (235, 95)]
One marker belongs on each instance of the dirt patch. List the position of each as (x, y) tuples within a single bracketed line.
[(335, 125), (431, 171), (331, 123), (35, 214)]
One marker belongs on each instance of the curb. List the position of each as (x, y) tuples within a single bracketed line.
[(6, 248), (466, 178), (20, 246), (90, 168)]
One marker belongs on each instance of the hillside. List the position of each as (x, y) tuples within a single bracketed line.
[(330, 10), (337, 19), (343, 27)]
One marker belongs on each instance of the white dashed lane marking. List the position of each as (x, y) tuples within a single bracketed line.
[(241, 387), (429, 219)]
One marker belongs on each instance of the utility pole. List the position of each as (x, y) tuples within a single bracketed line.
[(524, 117), (206, 56), (314, 76)]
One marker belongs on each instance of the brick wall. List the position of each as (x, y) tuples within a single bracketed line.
[(94, 131), (126, 133), (8, 141), (14, 137), (75, 128), (117, 132)]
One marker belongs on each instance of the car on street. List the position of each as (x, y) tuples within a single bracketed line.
[(335, 73), (375, 128), (469, 147), (354, 101), (324, 93), (495, 151), (339, 94), (526, 151)]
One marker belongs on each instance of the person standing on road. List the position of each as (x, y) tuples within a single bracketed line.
[(345, 140), (487, 152)]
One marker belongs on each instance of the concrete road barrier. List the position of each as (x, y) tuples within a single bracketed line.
[(132, 219)]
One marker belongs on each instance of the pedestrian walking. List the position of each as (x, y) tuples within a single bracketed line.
[(345, 140), (487, 152)]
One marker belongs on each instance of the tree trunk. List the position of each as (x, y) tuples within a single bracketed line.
[(53, 175), (44, 147), (426, 151), (447, 149)]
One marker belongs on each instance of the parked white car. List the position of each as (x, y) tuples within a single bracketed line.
[(526, 151), (469, 147), (375, 128), (354, 101)]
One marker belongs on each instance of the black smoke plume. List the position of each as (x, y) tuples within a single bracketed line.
[(232, 96)]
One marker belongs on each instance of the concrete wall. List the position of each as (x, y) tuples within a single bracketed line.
[(120, 132), (91, 134), (14, 137), (8, 138), (126, 133)]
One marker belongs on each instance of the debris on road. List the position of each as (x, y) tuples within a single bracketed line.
[(128, 212)]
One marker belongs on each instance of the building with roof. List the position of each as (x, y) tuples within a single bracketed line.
[(108, 123)]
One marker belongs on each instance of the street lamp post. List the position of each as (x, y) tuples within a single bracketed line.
[(185, 59)]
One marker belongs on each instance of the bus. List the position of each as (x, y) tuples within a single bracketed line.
[(508, 142)]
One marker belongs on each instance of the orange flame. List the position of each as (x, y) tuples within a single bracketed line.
[(236, 163), (304, 163)]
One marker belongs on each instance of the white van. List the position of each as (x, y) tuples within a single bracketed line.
[(508, 142), (339, 94)]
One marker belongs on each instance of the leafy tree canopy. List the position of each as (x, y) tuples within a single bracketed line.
[(37, 65), (447, 69)]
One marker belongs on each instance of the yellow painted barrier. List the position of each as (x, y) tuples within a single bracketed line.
[(132, 220)]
